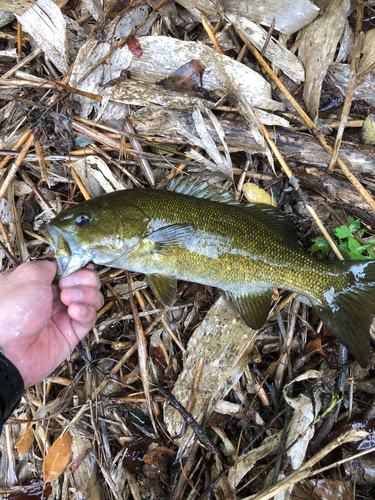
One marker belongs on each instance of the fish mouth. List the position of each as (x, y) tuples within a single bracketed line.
[(69, 256)]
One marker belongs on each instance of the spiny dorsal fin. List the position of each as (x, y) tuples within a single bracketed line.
[(200, 189)]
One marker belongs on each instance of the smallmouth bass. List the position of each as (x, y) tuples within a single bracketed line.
[(193, 232)]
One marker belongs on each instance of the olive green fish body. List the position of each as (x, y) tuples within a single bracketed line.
[(194, 233), (224, 247)]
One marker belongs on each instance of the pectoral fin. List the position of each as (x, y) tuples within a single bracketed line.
[(164, 288), (254, 306), (165, 239)]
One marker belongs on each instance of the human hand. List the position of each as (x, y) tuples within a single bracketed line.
[(41, 323)]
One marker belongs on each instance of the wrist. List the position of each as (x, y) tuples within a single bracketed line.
[(11, 386)]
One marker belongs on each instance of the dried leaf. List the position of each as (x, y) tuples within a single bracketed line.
[(24, 440), (245, 463), (93, 51), (290, 15), (134, 46), (158, 461), (255, 194), (36, 490), (185, 77), (225, 341), (338, 75), (220, 163), (16, 6), (133, 456), (57, 458), (279, 55), (368, 130), (368, 59), (321, 489), (317, 49), (47, 26), (5, 16)]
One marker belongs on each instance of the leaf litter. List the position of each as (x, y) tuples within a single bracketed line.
[(98, 98)]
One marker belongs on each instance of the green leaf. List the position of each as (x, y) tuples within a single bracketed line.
[(356, 223), (353, 243), (320, 243), (342, 232)]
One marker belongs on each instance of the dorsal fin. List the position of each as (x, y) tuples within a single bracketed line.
[(274, 219), (200, 189), (262, 212)]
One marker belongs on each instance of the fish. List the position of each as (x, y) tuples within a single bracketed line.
[(192, 231)]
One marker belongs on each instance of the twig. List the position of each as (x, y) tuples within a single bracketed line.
[(21, 64), (13, 169), (142, 351), (190, 420), (351, 86), (211, 35), (143, 163)]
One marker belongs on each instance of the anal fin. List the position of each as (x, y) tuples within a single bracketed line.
[(254, 306), (164, 288)]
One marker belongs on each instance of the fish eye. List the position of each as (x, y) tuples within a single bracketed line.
[(82, 220)]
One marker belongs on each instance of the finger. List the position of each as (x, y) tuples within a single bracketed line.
[(85, 277), (82, 294), (84, 315), (43, 271)]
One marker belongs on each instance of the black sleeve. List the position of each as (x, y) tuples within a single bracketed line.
[(11, 388)]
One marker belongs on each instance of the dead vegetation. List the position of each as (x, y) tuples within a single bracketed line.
[(190, 403)]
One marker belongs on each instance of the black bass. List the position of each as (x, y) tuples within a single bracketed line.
[(192, 232)]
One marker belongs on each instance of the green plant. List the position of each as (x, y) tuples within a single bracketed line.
[(346, 242)]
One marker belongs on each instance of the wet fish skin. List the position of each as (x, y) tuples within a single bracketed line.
[(183, 233)]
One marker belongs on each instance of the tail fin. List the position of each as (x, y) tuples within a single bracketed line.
[(348, 311)]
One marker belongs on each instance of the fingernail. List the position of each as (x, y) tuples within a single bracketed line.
[(75, 294), (83, 309)]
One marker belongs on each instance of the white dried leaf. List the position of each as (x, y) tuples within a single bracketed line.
[(16, 6), (270, 119), (317, 49), (85, 484), (96, 176), (225, 341), (275, 51), (95, 8), (122, 289), (220, 163), (338, 75), (346, 44), (163, 55), (7, 54), (6, 214), (300, 428), (245, 463), (45, 23), (5, 17), (368, 57), (21, 188), (104, 176), (290, 15), (93, 51)]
